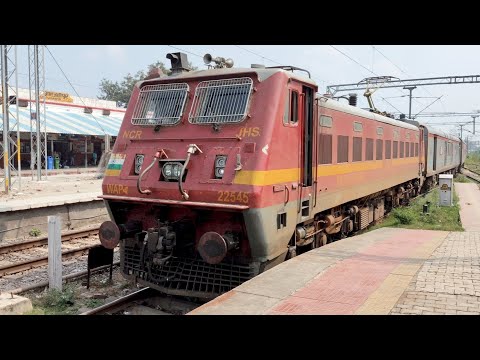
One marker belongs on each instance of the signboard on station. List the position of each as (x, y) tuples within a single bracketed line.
[(58, 96)]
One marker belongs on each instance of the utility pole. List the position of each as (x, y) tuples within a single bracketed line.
[(410, 88), (474, 117), (10, 126), (38, 121)]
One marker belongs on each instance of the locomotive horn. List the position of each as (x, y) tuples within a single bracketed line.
[(219, 61), (207, 59), (229, 63)]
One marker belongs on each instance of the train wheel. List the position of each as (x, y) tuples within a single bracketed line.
[(292, 252), (324, 240)]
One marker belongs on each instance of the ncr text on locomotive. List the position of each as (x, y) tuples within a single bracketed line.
[(220, 174)]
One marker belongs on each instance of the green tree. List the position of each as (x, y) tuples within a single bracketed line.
[(121, 91)]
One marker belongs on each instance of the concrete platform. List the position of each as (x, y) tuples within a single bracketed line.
[(46, 201), (469, 195), (14, 304), (364, 274), (386, 271), (73, 197)]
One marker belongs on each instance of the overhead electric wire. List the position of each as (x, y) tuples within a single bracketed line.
[(355, 61), (188, 52), (60, 81), (278, 63), (376, 49), (388, 59), (254, 53), (372, 72), (390, 104), (427, 106)]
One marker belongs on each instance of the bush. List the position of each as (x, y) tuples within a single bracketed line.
[(403, 215), (59, 300), (462, 179), (34, 232)]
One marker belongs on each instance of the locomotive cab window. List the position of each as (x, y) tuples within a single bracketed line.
[(221, 101), (293, 118), (160, 104), (290, 115)]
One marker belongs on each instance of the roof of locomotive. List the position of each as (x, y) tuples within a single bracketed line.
[(262, 74), (336, 105)]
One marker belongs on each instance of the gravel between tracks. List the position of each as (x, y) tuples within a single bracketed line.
[(40, 274)]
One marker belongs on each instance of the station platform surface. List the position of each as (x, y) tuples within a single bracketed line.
[(385, 271), (53, 190)]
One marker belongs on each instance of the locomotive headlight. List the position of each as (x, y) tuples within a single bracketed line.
[(167, 170), (172, 170), (176, 169), (138, 163), (220, 162)]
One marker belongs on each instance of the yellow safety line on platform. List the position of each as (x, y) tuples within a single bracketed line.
[(382, 300)]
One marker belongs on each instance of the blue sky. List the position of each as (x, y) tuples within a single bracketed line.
[(86, 65)]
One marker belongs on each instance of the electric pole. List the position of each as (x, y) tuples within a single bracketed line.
[(410, 88)]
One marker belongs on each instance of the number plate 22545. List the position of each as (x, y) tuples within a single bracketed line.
[(233, 197)]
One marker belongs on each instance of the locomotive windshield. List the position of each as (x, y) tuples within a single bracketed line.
[(221, 101), (161, 104)]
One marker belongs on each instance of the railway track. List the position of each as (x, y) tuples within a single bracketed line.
[(472, 175), (23, 245), (145, 301), (34, 262)]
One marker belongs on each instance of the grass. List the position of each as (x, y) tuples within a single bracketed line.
[(35, 232), (460, 178), (473, 161), (93, 303), (445, 218), (55, 302)]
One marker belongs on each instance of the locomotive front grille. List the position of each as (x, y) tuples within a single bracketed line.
[(187, 276)]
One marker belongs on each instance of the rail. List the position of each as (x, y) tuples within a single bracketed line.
[(4, 249), (41, 261), (472, 175), (120, 302)]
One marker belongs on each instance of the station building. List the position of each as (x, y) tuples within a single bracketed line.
[(76, 127)]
